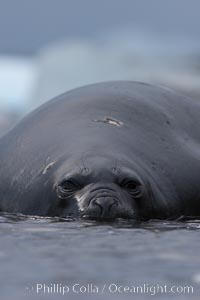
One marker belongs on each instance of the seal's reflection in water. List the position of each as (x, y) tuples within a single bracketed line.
[(67, 251)]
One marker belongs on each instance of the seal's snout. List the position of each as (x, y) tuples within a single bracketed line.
[(104, 206), (101, 202), (105, 202)]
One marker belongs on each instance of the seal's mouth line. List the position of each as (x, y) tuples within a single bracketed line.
[(102, 218), (110, 121)]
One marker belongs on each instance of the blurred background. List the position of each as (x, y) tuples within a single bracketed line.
[(50, 46)]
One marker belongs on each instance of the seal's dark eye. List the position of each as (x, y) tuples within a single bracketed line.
[(68, 186), (133, 187)]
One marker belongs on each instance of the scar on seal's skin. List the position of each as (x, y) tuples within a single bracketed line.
[(110, 121), (48, 167)]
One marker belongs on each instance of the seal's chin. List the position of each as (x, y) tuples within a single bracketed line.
[(104, 203)]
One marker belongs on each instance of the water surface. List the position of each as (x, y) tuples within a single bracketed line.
[(38, 253)]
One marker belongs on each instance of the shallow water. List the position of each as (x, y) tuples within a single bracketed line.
[(61, 255)]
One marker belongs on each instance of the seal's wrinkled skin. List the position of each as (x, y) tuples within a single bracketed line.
[(105, 151)]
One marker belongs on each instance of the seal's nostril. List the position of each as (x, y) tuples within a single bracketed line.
[(96, 203), (105, 204)]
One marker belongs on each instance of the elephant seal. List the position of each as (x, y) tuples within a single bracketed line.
[(105, 151)]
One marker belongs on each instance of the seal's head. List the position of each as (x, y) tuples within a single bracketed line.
[(104, 188)]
